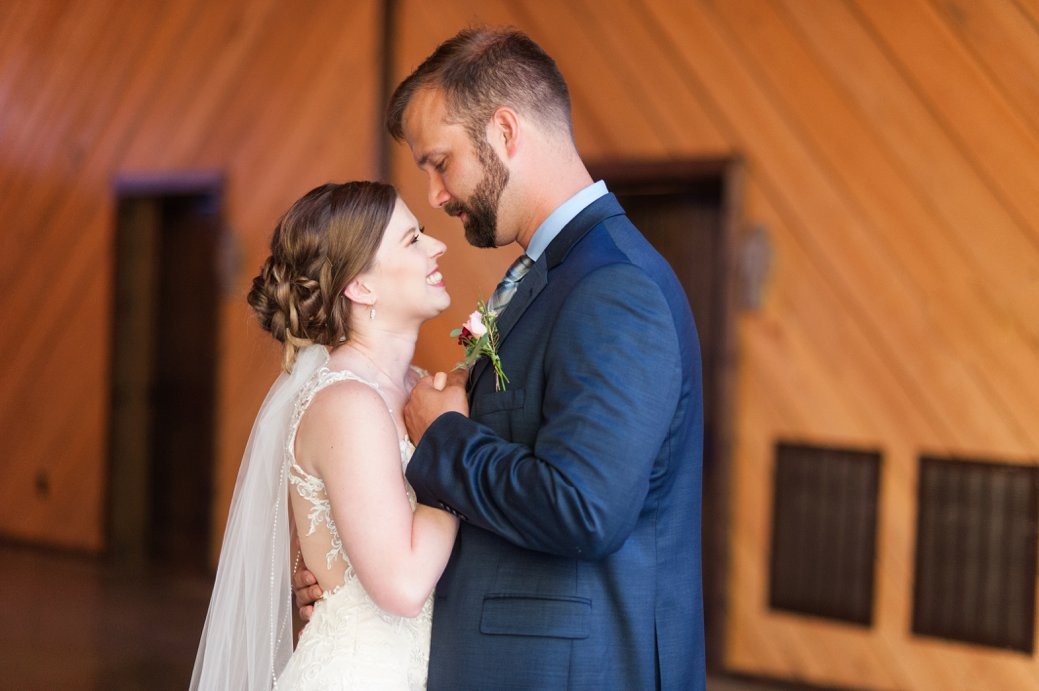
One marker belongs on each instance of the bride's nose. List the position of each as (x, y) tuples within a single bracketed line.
[(436, 248)]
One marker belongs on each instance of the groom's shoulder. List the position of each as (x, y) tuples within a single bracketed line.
[(595, 250)]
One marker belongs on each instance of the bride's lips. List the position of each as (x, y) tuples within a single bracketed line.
[(435, 278)]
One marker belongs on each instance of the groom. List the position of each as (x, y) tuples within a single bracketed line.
[(578, 561), (577, 565)]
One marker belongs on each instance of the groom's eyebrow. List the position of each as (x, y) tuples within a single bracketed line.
[(423, 160)]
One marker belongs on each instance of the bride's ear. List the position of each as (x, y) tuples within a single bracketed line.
[(358, 292)]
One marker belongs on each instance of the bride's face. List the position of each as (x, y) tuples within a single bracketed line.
[(406, 276)]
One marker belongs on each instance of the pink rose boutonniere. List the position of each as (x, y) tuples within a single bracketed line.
[(479, 337)]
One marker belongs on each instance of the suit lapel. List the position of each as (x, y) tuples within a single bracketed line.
[(537, 278)]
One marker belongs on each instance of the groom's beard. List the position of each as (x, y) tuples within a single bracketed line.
[(481, 210)]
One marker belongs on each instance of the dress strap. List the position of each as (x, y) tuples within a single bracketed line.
[(322, 378)]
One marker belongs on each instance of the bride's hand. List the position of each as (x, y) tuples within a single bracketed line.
[(306, 590)]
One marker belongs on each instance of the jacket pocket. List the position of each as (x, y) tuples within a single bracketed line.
[(495, 401), (524, 615)]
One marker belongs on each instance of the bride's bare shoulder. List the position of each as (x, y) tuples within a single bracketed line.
[(348, 401)]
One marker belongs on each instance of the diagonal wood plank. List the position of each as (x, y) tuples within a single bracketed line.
[(946, 310), (961, 95), (1002, 38), (946, 181)]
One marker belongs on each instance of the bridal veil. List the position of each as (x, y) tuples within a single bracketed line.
[(247, 637)]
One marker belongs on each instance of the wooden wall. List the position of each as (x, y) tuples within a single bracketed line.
[(276, 96), (892, 157)]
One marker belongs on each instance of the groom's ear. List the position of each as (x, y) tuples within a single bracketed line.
[(504, 127)]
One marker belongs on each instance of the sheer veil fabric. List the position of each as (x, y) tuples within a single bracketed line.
[(247, 637)]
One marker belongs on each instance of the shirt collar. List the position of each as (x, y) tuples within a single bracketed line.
[(558, 219)]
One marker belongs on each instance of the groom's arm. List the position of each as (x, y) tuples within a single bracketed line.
[(613, 371)]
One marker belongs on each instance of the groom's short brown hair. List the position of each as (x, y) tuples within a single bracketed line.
[(481, 69)]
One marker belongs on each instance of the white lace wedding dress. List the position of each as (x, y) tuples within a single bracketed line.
[(349, 642)]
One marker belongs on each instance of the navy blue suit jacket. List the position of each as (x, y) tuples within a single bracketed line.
[(577, 565)]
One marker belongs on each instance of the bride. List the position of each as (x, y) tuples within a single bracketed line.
[(350, 279)]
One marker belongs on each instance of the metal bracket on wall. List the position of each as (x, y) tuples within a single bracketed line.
[(755, 261)]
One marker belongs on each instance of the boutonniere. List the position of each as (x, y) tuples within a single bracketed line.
[(479, 337)]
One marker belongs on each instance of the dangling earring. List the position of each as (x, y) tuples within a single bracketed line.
[(371, 314)]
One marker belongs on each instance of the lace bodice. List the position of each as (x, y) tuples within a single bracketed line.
[(312, 488), (350, 643)]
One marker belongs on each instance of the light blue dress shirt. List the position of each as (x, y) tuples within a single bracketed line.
[(558, 219)]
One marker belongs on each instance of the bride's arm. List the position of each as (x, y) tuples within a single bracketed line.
[(350, 440)]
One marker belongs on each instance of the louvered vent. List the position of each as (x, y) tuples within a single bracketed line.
[(824, 532), (976, 552)]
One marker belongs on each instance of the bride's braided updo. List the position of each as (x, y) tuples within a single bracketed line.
[(322, 243)]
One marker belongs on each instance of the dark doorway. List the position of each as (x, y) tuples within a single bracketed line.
[(163, 370), (688, 211)]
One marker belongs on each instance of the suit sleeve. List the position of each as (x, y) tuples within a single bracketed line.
[(613, 371)]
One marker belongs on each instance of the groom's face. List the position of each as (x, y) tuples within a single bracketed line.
[(479, 213), (466, 177)]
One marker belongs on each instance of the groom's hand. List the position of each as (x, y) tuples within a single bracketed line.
[(432, 397), (306, 590)]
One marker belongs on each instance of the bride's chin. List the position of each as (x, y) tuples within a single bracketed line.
[(434, 312), (443, 304)]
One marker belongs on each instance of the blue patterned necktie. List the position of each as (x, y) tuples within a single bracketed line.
[(507, 288)]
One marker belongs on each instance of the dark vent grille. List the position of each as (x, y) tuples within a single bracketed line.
[(976, 553), (824, 532)]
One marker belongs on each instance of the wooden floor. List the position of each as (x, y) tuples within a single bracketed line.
[(74, 623)]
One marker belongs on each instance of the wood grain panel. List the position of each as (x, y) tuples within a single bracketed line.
[(1030, 8), (1002, 38), (924, 269), (116, 88), (946, 180), (964, 99), (567, 30), (817, 203), (650, 80)]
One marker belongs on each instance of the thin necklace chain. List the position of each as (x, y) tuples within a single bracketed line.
[(374, 364), (402, 435)]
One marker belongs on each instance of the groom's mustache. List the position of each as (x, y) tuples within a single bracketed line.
[(456, 209)]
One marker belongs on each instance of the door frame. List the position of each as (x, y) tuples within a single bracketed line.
[(135, 284)]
